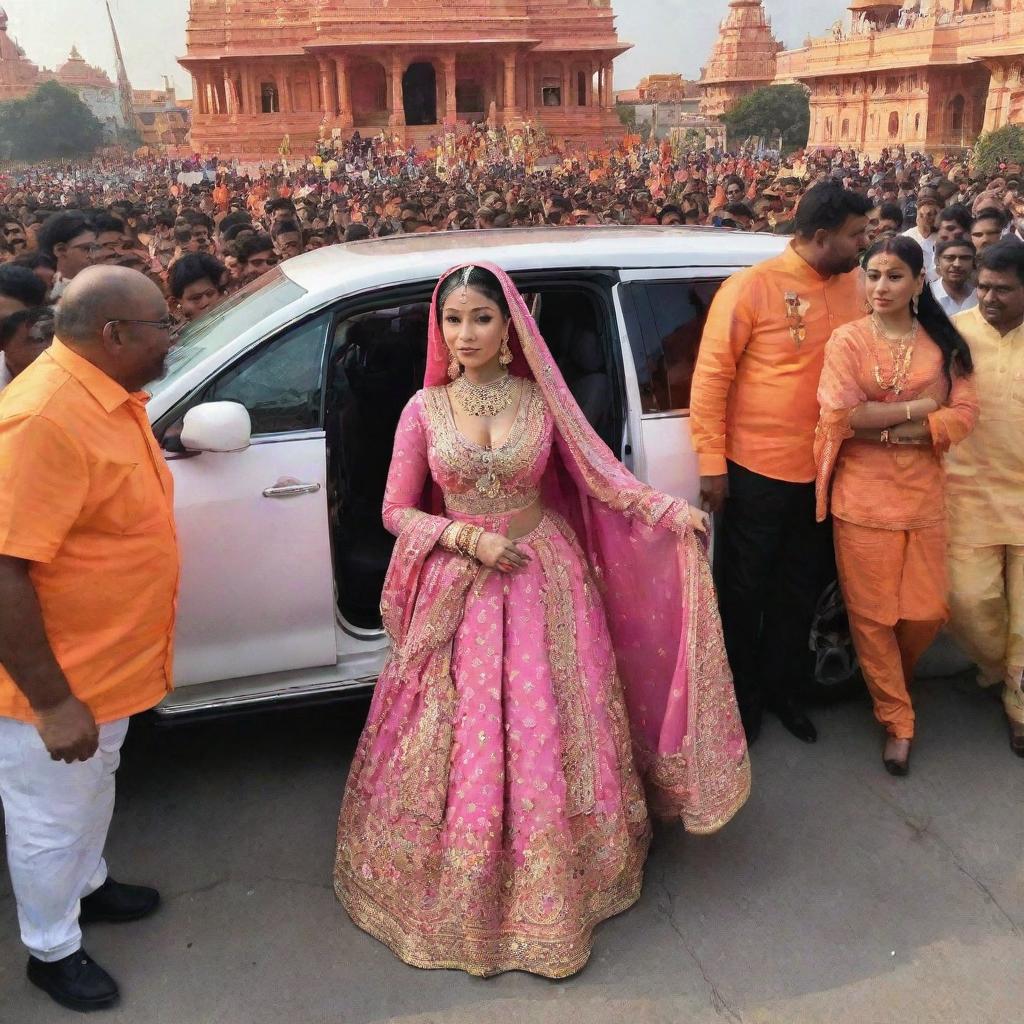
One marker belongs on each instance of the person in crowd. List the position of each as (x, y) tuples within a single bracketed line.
[(524, 704), (986, 487), (753, 413), (112, 242), (196, 283), (19, 289), (896, 393), (43, 266), (14, 236), (925, 231), (356, 233), (954, 290), (287, 236), (88, 577), (736, 215), (24, 335), (70, 240), (954, 222), (256, 255), (987, 228), (890, 221)]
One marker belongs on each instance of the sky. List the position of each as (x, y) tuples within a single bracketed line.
[(669, 35)]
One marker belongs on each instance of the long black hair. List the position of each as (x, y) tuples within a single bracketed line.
[(932, 317), (473, 277)]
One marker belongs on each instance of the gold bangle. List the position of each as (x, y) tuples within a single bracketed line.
[(474, 541)]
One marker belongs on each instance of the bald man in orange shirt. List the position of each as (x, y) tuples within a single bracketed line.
[(753, 414)]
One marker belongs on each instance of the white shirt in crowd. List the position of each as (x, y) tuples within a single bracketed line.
[(948, 303), (928, 245)]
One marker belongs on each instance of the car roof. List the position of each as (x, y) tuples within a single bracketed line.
[(358, 266)]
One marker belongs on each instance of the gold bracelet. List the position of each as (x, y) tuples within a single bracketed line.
[(474, 541), (462, 543)]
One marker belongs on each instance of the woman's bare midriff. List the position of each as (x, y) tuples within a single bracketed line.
[(526, 521)]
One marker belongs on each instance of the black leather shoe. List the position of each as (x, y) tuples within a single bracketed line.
[(116, 902), (796, 722), (77, 981)]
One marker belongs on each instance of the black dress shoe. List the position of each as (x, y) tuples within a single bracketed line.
[(77, 981), (796, 722), (116, 902)]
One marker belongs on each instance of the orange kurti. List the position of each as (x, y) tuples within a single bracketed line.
[(888, 507), (754, 390)]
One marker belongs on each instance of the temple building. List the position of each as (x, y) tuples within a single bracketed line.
[(931, 75), (18, 75), (743, 59), (95, 90), (265, 68)]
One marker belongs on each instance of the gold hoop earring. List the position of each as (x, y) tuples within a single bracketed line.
[(505, 354), (454, 368)]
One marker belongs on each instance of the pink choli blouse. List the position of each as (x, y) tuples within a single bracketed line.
[(475, 482)]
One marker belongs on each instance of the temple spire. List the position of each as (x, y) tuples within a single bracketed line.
[(124, 87)]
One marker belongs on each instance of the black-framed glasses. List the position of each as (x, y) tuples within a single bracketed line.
[(165, 323)]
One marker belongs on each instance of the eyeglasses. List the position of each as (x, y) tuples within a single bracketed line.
[(165, 323)]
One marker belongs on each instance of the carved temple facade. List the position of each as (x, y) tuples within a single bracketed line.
[(931, 75), (265, 68)]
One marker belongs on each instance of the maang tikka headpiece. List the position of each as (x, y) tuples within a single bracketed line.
[(466, 271)]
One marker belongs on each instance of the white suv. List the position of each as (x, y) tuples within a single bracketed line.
[(283, 550)]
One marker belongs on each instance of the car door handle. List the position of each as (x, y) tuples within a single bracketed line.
[(289, 489)]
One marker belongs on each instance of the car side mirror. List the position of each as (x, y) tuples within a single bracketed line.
[(216, 427)]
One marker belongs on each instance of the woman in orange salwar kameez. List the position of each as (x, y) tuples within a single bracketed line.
[(895, 394)]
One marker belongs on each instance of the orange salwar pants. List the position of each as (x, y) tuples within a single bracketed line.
[(894, 586)]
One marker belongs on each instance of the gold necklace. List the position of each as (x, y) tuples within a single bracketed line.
[(902, 351), (488, 399)]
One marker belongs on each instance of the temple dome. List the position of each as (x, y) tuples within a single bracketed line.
[(75, 73)]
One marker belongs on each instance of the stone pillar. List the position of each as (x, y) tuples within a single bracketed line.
[(397, 70), (199, 92), (510, 82), (609, 88), (566, 85), (531, 87), (450, 115), (284, 98), (230, 103), (327, 93), (341, 71)]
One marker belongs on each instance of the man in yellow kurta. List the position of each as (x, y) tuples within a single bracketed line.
[(985, 487)]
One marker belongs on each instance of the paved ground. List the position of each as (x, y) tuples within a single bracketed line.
[(839, 894)]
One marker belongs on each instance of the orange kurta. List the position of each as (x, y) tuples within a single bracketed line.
[(754, 390), (87, 499)]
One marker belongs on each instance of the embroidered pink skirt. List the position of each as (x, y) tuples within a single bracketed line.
[(493, 814)]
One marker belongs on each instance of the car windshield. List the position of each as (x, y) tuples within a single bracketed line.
[(226, 322)]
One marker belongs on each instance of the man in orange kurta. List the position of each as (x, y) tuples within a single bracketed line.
[(753, 414), (88, 578)]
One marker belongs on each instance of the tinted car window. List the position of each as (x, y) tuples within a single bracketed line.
[(668, 320)]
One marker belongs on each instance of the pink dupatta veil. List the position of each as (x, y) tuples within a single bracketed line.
[(656, 587)]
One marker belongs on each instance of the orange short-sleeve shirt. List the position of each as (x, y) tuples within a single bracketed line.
[(87, 499)]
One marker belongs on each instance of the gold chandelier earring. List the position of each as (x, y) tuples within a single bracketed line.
[(454, 368), (505, 353)]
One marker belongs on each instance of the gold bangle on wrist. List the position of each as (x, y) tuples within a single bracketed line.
[(474, 541)]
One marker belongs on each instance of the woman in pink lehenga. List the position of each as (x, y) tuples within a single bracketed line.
[(556, 650)]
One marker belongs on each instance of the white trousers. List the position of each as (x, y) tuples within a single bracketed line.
[(57, 816)]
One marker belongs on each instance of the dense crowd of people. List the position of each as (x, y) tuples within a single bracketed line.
[(201, 229)]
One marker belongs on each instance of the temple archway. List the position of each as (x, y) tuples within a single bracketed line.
[(419, 88)]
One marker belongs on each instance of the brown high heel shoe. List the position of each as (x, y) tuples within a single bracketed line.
[(896, 756)]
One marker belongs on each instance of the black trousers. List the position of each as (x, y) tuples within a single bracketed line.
[(772, 564)]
